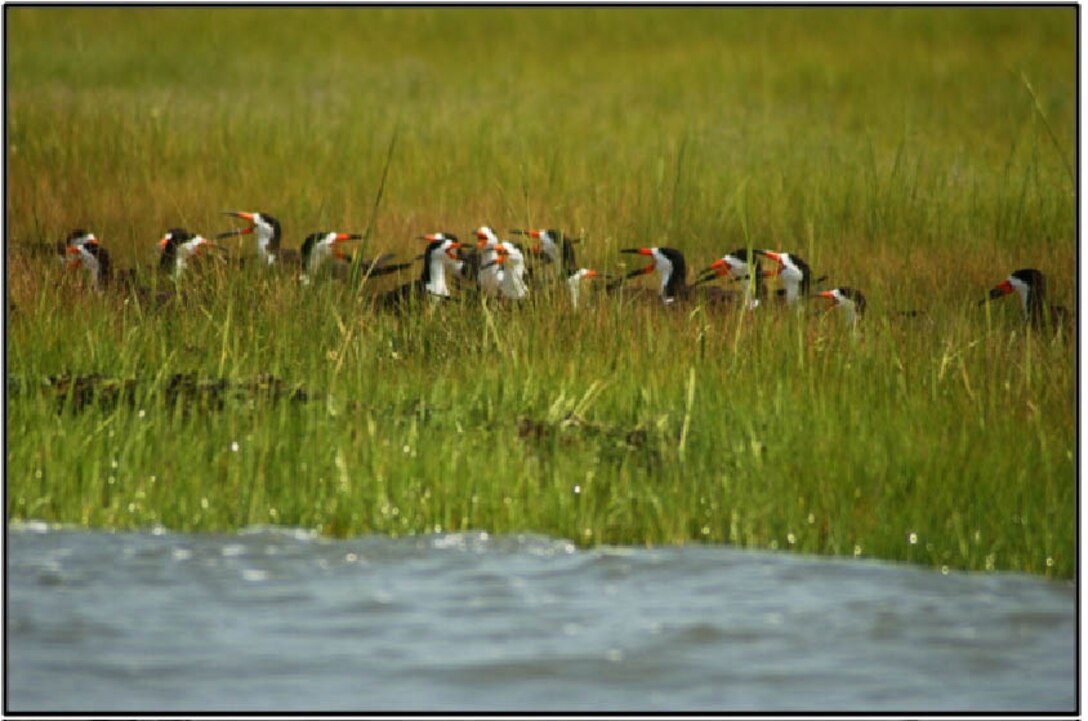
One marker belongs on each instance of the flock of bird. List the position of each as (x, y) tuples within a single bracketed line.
[(501, 269)]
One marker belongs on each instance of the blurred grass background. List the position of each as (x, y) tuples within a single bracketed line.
[(920, 154)]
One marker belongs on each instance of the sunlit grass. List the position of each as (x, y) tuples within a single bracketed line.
[(897, 150)]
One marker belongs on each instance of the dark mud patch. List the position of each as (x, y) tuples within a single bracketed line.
[(188, 392), (612, 442)]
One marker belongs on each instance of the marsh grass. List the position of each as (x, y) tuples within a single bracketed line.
[(896, 150)]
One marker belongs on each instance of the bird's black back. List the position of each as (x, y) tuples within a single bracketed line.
[(677, 284)]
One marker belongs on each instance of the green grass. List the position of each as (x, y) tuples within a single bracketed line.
[(897, 150)]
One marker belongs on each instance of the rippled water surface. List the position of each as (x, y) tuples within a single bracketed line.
[(271, 620)]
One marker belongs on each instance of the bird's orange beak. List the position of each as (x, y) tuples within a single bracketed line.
[(241, 231), (343, 238), (244, 216), (721, 266), (778, 264)]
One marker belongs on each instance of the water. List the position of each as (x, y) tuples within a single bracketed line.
[(277, 620)]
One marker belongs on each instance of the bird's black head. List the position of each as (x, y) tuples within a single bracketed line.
[(308, 245), (168, 247), (755, 269), (433, 248), (1036, 301), (1033, 278), (277, 233), (76, 235), (855, 295), (677, 283), (676, 258)]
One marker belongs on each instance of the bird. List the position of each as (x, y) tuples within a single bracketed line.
[(321, 247), (574, 283), (178, 247), (512, 284), (268, 233), (669, 264), (321, 252), (440, 255), (1030, 285), (85, 251), (456, 267), (75, 238), (739, 266), (795, 274), (850, 300), (488, 273), (554, 246)]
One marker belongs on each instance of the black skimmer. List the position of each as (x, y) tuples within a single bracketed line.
[(554, 246), (510, 258), (670, 266), (458, 266), (850, 300), (574, 283), (439, 255), (489, 273), (322, 250), (1030, 285), (85, 251), (75, 238), (178, 247), (794, 272), (742, 267), (464, 266), (267, 231)]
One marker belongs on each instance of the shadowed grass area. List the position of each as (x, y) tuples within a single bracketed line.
[(920, 154)]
